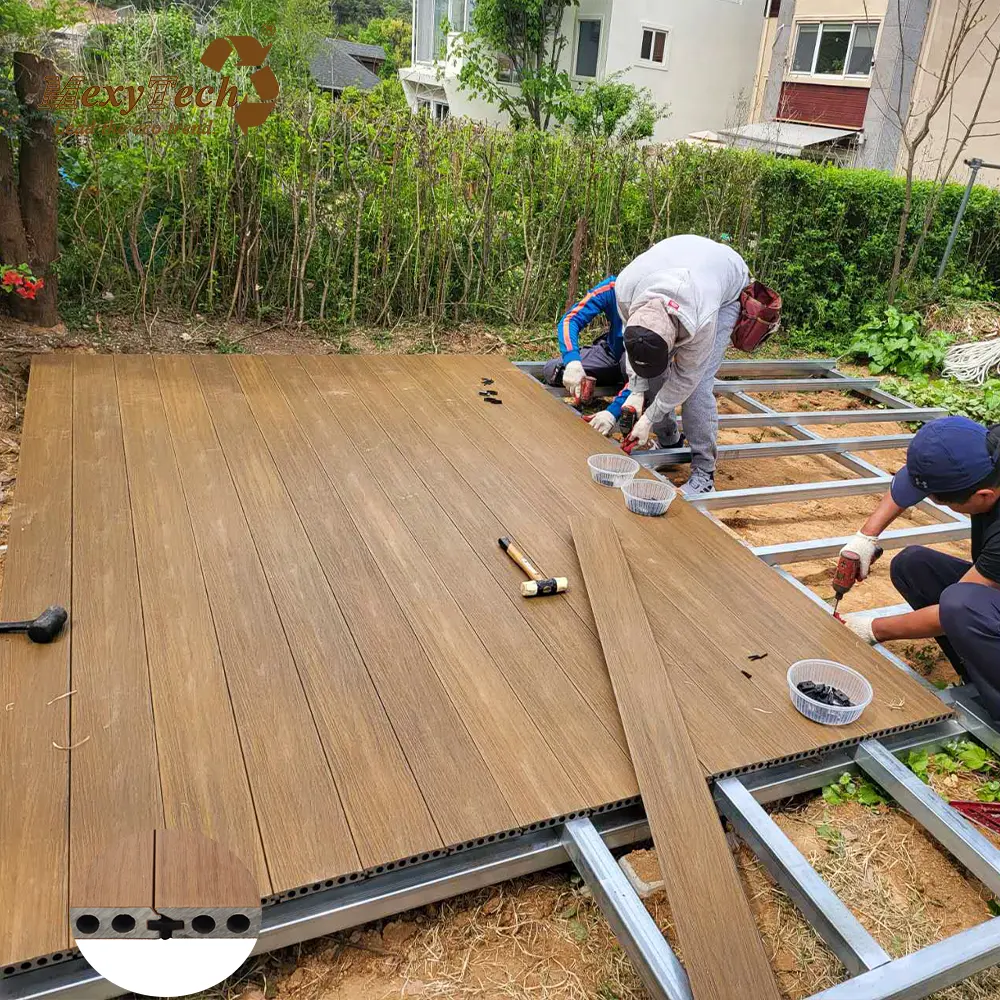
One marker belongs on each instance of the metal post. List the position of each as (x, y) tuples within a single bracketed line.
[(975, 165)]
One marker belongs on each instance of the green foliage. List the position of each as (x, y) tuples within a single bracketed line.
[(979, 402), (989, 792), (393, 34), (611, 109), (20, 18), (959, 755), (853, 788), (223, 345), (528, 33), (356, 211), (893, 342)]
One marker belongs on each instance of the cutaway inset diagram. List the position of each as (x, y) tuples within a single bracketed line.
[(165, 886)]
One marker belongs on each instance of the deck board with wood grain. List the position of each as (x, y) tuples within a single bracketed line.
[(292, 629)]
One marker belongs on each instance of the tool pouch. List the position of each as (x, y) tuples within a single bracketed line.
[(760, 316)]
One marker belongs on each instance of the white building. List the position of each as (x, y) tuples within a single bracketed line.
[(698, 56)]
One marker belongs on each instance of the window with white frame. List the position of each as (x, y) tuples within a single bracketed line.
[(505, 69), (835, 48), (653, 48), (441, 111), (588, 46)]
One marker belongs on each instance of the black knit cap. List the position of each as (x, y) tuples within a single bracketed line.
[(647, 351)]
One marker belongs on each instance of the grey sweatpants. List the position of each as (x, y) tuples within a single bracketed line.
[(700, 412)]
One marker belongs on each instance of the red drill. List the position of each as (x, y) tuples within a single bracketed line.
[(846, 574)]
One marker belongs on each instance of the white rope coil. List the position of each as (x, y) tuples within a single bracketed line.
[(973, 362)]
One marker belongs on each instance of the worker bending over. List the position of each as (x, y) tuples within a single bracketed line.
[(955, 462), (672, 312)]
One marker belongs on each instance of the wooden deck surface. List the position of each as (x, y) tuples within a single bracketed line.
[(292, 629)]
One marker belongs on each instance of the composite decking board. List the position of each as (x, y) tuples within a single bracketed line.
[(530, 776), (596, 766), (434, 738), (303, 828), (501, 503), (118, 874), (34, 774), (471, 760), (737, 596), (387, 816), (194, 871), (203, 775), (115, 777), (748, 736), (723, 953)]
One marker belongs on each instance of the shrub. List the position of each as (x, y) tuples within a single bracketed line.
[(979, 402), (894, 342)]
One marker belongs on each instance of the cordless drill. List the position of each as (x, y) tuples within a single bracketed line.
[(626, 422), (846, 574)]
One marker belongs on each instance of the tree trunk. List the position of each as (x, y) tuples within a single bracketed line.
[(38, 187), (579, 239)]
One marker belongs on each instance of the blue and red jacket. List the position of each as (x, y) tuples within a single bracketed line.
[(599, 300)]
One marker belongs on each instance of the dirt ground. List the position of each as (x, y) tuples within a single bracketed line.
[(543, 936)]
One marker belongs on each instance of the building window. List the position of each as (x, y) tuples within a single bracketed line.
[(588, 46), (835, 49), (772, 8), (505, 69), (654, 46), (424, 106), (441, 111)]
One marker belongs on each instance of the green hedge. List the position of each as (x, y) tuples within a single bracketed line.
[(356, 209)]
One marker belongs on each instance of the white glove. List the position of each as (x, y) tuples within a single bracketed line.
[(572, 377), (642, 430), (637, 400), (863, 546), (860, 623), (602, 422)]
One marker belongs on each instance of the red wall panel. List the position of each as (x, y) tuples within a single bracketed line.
[(821, 104)]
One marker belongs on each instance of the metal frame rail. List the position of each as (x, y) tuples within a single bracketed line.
[(588, 842)]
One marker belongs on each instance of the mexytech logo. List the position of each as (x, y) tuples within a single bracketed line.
[(160, 93), (265, 83)]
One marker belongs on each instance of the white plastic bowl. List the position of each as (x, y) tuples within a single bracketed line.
[(612, 470), (836, 675), (649, 497)]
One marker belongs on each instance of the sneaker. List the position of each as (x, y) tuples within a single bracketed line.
[(699, 483)]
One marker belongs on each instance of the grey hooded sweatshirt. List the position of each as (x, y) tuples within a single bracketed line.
[(693, 278)]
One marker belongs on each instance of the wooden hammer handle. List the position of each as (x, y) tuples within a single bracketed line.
[(514, 551)]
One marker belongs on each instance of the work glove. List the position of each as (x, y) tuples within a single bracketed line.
[(637, 400), (863, 546), (642, 430), (860, 623), (602, 422), (572, 377)]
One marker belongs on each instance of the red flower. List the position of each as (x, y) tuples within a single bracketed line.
[(11, 278)]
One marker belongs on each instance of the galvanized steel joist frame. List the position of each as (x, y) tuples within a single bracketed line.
[(588, 842)]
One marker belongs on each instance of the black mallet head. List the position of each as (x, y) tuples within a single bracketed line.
[(48, 624), (44, 628)]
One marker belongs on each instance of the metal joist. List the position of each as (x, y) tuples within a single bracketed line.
[(654, 961), (762, 369), (777, 449), (733, 421), (794, 384), (926, 971), (818, 903), (758, 495), (932, 812), (974, 718), (821, 548)]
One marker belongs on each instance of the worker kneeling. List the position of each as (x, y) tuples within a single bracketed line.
[(955, 462), (673, 311)]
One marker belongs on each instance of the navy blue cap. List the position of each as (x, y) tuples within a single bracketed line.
[(946, 456)]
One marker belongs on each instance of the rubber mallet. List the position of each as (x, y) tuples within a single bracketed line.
[(44, 628), (539, 585)]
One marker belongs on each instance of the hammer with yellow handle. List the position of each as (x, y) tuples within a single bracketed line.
[(539, 585)]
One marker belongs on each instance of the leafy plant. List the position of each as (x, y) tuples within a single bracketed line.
[(851, 788), (980, 402), (223, 345), (971, 755), (612, 109), (918, 761), (989, 792), (894, 342)]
